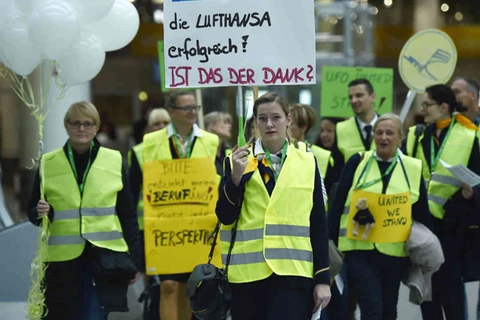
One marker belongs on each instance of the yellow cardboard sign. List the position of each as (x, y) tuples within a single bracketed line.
[(179, 212), (429, 57), (392, 214)]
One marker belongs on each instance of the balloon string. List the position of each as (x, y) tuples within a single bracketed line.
[(36, 308)]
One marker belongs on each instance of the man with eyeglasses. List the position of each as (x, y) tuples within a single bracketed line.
[(182, 138)]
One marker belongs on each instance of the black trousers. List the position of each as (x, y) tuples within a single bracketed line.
[(447, 285), (277, 297), (376, 279)]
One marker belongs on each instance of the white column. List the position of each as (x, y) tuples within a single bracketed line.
[(426, 14), (54, 134)]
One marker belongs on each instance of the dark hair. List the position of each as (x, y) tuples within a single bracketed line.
[(363, 81), (172, 96), (472, 84), (333, 120), (303, 115), (271, 97), (442, 93), (318, 140)]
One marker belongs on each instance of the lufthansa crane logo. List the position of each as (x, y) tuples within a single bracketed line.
[(429, 57)]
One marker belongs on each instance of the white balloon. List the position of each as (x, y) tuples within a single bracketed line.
[(118, 27), (5, 7), (26, 6), (85, 60), (91, 10), (54, 27), (18, 52)]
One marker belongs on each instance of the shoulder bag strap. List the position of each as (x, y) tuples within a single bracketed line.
[(214, 235), (418, 132)]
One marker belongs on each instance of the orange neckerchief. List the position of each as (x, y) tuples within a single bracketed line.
[(252, 165), (442, 124)]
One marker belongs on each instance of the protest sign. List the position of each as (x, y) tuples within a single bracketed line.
[(212, 43), (392, 214), (334, 97), (429, 57), (179, 213)]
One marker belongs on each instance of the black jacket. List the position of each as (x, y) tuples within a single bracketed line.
[(126, 212)]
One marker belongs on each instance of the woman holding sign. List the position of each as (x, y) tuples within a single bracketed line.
[(448, 139), (379, 194), (274, 202)]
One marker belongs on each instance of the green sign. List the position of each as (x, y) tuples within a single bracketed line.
[(161, 63), (335, 101)]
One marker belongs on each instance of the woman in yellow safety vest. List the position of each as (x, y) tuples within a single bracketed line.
[(271, 204), (449, 139), (379, 194), (303, 119), (93, 248)]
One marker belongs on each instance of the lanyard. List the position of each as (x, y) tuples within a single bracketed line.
[(367, 168), (269, 159), (180, 146), (74, 168), (434, 159)]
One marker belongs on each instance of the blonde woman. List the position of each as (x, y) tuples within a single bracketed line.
[(93, 231)]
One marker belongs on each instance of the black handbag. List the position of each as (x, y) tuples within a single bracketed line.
[(112, 263), (208, 290)]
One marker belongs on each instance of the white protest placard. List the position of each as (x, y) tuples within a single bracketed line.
[(212, 43)]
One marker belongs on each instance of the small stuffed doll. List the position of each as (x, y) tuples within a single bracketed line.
[(363, 217)]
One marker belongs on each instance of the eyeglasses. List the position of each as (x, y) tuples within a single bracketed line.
[(78, 124), (426, 105), (187, 108)]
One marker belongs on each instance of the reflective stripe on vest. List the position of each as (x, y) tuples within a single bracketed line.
[(349, 139), (398, 184), (94, 236), (267, 241), (257, 234), (441, 185), (90, 217)]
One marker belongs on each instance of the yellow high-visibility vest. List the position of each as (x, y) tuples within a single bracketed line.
[(91, 217), (441, 185), (323, 156), (273, 233), (397, 184), (349, 140), (156, 146)]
